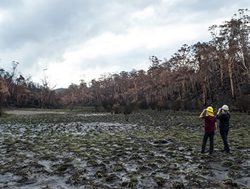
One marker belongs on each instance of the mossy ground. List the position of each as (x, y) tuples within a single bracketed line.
[(150, 150)]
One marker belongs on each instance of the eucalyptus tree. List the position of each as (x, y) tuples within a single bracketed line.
[(232, 44), (4, 92)]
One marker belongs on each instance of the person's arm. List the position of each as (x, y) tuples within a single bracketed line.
[(202, 113), (218, 113)]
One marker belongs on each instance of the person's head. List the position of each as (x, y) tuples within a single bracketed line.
[(210, 111), (225, 108)]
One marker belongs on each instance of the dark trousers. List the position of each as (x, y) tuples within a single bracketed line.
[(223, 134), (204, 142)]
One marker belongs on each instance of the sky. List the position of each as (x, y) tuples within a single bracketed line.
[(65, 41)]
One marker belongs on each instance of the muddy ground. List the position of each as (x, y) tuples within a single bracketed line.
[(152, 149)]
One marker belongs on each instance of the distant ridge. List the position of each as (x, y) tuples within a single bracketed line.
[(60, 90)]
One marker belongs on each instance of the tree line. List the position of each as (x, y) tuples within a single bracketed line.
[(206, 73)]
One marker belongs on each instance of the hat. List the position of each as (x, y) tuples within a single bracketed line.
[(225, 107), (210, 111)]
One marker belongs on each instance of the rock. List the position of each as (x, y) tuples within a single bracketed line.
[(178, 185), (159, 180), (230, 183), (111, 178)]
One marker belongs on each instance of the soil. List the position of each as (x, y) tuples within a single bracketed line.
[(61, 149)]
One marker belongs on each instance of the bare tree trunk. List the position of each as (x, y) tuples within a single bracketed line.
[(204, 89), (1, 110), (230, 71), (245, 65), (221, 75), (221, 61)]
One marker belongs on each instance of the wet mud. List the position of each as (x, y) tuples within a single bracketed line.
[(150, 150)]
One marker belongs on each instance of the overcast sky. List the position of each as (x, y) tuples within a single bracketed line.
[(70, 40)]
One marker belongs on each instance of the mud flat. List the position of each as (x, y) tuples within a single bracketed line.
[(150, 150)]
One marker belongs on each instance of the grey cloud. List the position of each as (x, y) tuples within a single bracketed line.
[(55, 25), (198, 10), (214, 5), (53, 18), (37, 25), (9, 3), (127, 61)]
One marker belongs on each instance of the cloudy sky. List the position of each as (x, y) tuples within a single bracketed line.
[(69, 40)]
